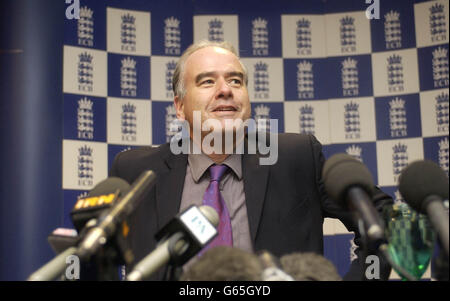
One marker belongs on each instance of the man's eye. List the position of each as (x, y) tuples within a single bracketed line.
[(236, 81), (207, 82)]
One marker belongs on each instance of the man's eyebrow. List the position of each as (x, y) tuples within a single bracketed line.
[(235, 73), (200, 76)]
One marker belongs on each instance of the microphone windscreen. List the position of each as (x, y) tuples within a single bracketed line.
[(224, 263), (421, 179), (309, 266), (100, 198), (110, 185), (341, 172)]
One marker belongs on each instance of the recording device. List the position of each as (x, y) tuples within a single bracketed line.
[(309, 266), (101, 198), (108, 222), (86, 214), (96, 226), (62, 238), (350, 183), (424, 186), (182, 238), (225, 263), (64, 241), (272, 270)]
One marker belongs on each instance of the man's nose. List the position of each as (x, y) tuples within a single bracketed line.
[(223, 89)]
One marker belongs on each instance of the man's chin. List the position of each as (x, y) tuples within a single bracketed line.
[(231, 124), (227, 123)]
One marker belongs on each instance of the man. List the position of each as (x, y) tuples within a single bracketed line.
[(278, 207)]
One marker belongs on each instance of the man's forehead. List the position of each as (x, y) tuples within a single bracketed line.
[(202, 75), (211, 50), (214, 49), (199, 61)]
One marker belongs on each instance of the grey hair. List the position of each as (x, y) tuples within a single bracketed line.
[(178, 75)]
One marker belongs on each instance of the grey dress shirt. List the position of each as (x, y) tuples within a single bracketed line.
[(232, 190)]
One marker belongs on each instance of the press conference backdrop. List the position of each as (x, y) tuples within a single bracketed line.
[(373, 88)]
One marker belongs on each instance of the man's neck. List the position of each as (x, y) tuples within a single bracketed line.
[(218, 158)]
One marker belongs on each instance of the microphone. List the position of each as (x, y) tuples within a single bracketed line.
[(272, 270), (62, 238), (309, 266), (181, 238), (424, 185), (101, 198), (107, 223), (85, 212), (350, 183), (225, 263)]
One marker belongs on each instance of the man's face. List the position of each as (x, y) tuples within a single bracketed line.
[(214, 83)]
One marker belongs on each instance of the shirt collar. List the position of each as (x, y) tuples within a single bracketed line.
[(199, 163)]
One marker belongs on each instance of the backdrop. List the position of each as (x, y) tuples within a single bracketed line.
[(376, 88)]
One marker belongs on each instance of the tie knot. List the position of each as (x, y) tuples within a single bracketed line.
[(217, 172)]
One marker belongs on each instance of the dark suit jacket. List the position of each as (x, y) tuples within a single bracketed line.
[(286, 202)]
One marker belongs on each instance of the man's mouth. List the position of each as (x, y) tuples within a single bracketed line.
[(225, 109)]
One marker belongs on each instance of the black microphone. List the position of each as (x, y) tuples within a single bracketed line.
[(101, 198), (424, 186), (85, 214), (182, 238), (350, 183), (107, 223)]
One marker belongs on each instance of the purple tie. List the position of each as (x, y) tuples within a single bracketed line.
[(213, 198)]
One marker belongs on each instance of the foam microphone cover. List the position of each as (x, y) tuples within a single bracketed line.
[(421, 179), (108, 186), (341, 172)]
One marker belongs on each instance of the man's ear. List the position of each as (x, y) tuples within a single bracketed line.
[(179, 106)]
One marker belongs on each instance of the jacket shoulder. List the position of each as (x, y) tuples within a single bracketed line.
[(298, 144), (131, 163)]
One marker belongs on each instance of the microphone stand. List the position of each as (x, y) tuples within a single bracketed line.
[(365, 246), (106, 263), (174, 268)]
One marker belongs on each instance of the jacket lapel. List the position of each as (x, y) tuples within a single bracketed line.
[(255, 185), (169, 188)]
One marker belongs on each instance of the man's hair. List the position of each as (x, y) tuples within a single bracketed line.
[(224, 263), (309, 267), (178, 75)]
